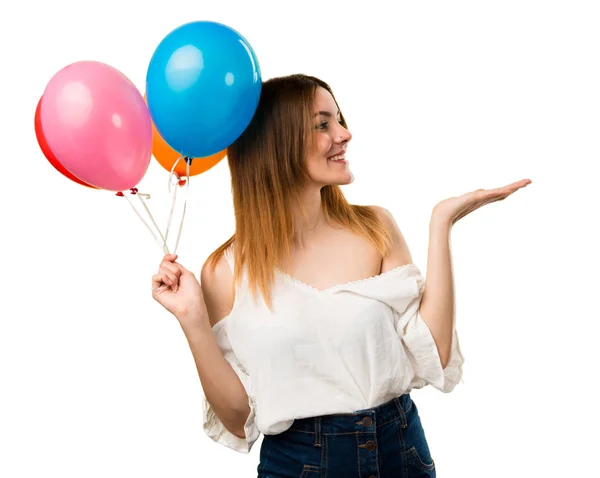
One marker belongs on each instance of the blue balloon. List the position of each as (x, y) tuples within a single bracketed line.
[(202, 87)]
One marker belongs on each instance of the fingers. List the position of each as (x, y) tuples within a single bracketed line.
[(159, 282), (170, 268), (170, 278), (170, 271), (182, 270), (168, 259), (521, 183), (508, 189)]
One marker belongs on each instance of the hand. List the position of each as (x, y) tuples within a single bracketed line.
[(178, 291), (451, 210)]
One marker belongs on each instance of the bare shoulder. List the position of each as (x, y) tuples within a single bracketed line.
[(217, 289), (384, 214), (399, 252)]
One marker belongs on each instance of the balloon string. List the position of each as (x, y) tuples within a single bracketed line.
[(173, 174), (161, 245), (187, 189), (174, 197), (165, 248)]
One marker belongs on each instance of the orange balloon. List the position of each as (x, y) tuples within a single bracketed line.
[(166, 157)]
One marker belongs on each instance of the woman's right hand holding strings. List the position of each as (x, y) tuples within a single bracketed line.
[(178, 290)]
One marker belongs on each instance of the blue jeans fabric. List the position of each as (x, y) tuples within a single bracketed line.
[(381, 442)]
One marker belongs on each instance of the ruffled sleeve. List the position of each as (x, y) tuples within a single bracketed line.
[(419, 343), (424, 357), (402, 289), (212, 425)]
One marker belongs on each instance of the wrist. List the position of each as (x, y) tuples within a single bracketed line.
[(439, 223), (194, 331), (193, 317)]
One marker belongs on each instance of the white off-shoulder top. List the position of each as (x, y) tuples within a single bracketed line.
[(346, 348)]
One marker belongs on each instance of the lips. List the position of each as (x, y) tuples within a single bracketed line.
[(339, 153), (343, 151)]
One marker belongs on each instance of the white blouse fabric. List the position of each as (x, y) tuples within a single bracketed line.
[(349, 347)]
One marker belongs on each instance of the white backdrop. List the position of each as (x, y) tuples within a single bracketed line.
[(442, 98)]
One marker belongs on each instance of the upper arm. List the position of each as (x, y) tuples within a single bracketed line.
[(398, 253), (217, 290)]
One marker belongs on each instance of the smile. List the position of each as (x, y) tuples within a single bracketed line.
[(338, 158)]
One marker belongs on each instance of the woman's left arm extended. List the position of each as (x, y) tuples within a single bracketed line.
[(437, 308), (437, 304)]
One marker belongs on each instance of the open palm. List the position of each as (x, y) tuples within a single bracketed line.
[(455, 208)]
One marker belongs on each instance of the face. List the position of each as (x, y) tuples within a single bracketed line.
[(326, 162)]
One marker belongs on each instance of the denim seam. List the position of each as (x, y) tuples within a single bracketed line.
[(267, 454), (377, 456), (308, 467), (358, 453), (399, 428), (324, 451), (424, 466)]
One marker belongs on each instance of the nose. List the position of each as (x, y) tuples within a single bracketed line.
[(344, 136)]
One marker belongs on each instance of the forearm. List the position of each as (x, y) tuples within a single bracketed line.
[(437, 305), (221, 385)]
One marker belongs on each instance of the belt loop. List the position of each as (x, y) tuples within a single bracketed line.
[(318, 431), (403, 419)]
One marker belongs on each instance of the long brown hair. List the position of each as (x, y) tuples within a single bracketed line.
[(267, 165)]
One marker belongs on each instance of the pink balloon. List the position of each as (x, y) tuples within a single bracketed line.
[(97, 124)]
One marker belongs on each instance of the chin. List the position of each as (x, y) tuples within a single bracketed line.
[(338, 179), (347, 178)]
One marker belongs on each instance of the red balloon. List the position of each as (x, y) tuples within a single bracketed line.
[(39, 134)]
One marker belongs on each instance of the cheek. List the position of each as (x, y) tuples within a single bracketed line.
[(324, 144)]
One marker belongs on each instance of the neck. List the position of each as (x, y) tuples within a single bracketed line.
[(309, 226)]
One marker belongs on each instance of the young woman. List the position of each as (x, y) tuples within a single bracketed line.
[(312, 324)]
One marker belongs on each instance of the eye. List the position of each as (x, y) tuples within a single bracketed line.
[(322, 125)]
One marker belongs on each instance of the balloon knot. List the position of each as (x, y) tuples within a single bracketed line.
[(182, 182), (188, 160), (134, 190), (120, 194)]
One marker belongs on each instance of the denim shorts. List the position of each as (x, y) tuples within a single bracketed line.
[(381, 442)]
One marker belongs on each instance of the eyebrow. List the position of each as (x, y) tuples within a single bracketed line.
[(325, 113)]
